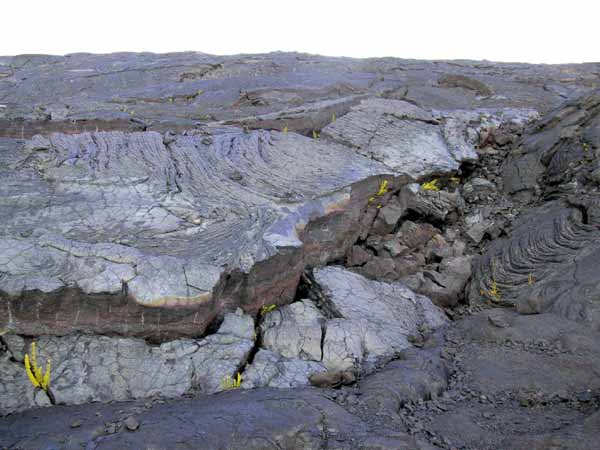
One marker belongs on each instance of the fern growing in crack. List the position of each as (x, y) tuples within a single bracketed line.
[(39, 379)]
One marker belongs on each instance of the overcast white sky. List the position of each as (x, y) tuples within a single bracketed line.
[(502, 30)]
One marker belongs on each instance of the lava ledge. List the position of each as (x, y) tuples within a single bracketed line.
[(102, 369)]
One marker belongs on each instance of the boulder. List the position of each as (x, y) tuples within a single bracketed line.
[(374, 319), (358, 256), (399, 134), (294, 331), (387, 218), (446, 286), (420, 374), (383, 268), (221, 354), (416, 235), (439, 206), (269, 369)]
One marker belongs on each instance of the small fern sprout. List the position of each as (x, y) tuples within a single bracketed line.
[(231, 383), (383, 188), (267, 309), (431, 185), (493, 293), (37, 377)]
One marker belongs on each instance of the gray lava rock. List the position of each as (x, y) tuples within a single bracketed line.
[(437, 205), (100, 368), (405, 137), (301, 419), (131, 423), (395, 248), (379, 269), (156, 234), (446, 286), (462, 81), (16, 392), (568, 286), (387, 218), (416, 235), (375, 318), (333, 378), (294, 331), (477, 227), (358, 256), (221, 354), (550, 354), (15, 345), (480, 185), (419, 375), (552, 150), (269, 369), (344, 344), (130, 243)]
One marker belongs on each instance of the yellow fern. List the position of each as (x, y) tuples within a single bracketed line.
[(267, 309), (36, 369), (231, 383), (383, 188), (30, 374), (431, 185), (45, 384), (38, 378), (493, 293)]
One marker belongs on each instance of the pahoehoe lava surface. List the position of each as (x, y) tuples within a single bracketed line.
[(393, 254)]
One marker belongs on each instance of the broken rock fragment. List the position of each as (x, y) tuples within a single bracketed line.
[(294, 331), (374, 318), (271, 369)]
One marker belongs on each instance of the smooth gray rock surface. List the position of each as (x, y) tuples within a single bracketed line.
[(402, 136), (543, 353), (374, 318), (419, 374), (258, 419), (294, 331), (270, 369)]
